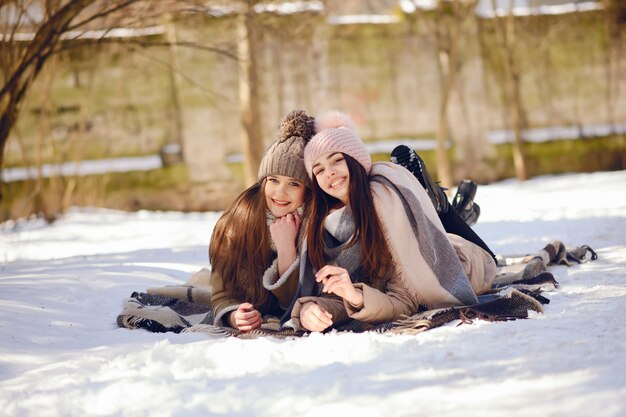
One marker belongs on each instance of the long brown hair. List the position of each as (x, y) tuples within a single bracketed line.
[(368, 230), (240, 247)]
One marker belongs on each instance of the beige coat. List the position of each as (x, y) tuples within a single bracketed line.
[(413, 283), (380, 307)]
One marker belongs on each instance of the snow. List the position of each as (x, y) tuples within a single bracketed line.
[(485, 8), (544, 134), (61, 354), (290, 7), (150, 162), (363, 19), (113, 33), (533, 7), (86, 167)]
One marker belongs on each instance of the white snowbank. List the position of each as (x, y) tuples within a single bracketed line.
[(61, 354), (145, 163)]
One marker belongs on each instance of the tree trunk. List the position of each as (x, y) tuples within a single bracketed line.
[(444, 172), (517, 109), (615, 17), (175, 80), (449, 22), (26, 70), (249, 100), (505, 34)]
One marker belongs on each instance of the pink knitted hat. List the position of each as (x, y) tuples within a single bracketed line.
[(336, 133)]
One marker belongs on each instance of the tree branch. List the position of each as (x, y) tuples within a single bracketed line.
[(103, 13), (226, 52), (45, 39)]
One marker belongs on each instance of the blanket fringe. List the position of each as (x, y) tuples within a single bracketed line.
[(211, 330), (228, 332), (512, 305)]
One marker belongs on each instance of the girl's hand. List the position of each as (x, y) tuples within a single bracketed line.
[(245, 318), (336, 280), (284, 231), (314, 318)]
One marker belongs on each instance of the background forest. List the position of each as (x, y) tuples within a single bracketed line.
[(183, 97)]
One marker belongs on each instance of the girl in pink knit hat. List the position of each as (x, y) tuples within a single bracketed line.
[(375, 248)]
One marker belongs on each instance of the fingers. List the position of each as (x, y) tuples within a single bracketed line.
[(327, 270), (330, 281), (315, 318), (248, 326), (336, 284), (287, 218), (330, 273), (296, 218), (247, 318), (246, 315), (290, 218), (285, 222)]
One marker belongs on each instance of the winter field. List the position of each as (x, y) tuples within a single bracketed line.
[(61, 354)]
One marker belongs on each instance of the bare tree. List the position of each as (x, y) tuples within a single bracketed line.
[(448, 24), (249, 90), (22, 65), (507, 41), (63, 21), (615, 17), (176, 81)]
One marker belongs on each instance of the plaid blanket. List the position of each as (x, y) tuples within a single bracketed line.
[(516, 290)]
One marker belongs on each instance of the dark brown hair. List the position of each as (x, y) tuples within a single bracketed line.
[(369, 234)]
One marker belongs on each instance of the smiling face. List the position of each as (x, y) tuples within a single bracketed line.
[(283, 195), (332, 175)]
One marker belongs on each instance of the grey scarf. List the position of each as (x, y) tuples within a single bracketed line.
[(434, 245), (338, 229)]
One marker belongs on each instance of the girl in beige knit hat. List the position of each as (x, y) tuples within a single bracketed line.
[(255, 239), (375, 247)]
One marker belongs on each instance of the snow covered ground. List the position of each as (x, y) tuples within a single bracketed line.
[(61, 354)]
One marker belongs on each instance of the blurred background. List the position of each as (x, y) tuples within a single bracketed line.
[(170, 105)]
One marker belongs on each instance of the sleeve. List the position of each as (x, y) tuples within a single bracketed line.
[(331, 303), (200, 279), (381, 307), (285, 286), (222, 300)]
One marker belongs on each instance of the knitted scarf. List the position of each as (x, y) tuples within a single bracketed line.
[(269, 220), (338, 229), (436, 278)]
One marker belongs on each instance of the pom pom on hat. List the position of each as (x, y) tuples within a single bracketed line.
[(336, 133), (297, 123), (285, 155), (334, 119)]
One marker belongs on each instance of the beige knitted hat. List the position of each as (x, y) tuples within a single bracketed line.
[(284, 157), (336, 133)]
